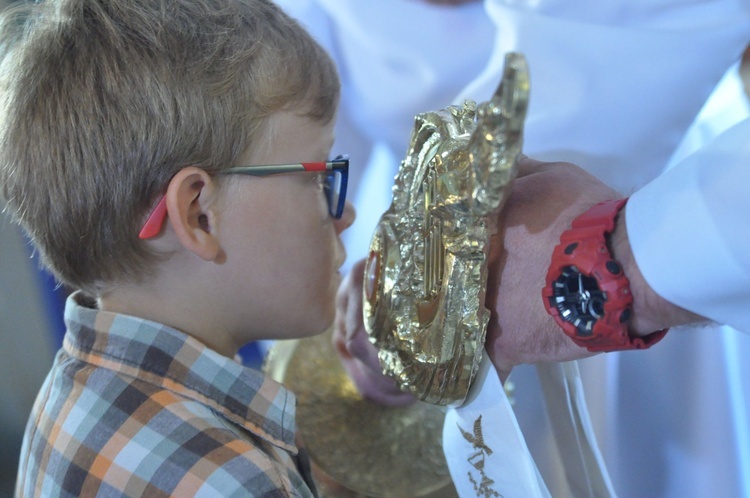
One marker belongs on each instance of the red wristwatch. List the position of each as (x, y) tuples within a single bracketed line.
[(586, 291)]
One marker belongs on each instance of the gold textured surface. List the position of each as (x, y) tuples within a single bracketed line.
[(360, 448), (426, 276)]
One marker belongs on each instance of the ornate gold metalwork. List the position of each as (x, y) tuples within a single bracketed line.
[(359, 448), (426, 275)]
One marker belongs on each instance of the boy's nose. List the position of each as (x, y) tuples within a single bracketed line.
[(347, 218)]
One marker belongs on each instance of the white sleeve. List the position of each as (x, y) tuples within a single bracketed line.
[(690, 230)]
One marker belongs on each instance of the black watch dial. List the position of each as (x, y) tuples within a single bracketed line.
[(578, 299)]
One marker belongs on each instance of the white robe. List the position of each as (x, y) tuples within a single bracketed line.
[(616, 85)]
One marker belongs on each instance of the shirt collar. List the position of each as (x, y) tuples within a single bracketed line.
[(172, 360)]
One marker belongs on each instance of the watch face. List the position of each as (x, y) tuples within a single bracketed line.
[(578, 299)]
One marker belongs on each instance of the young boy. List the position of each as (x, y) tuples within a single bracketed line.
[(132, 132)]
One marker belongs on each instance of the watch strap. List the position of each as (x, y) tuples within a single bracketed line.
[(585, 246)]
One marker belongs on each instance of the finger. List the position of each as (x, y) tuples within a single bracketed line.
[(354, 318), (357, 340), (340, 321), (344, 307), (528, 166)]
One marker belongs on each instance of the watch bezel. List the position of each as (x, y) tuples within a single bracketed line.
[(584, 247)]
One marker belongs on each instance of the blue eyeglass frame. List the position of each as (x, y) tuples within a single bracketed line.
[(335, 182), (334, 186)]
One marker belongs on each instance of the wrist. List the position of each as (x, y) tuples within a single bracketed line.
[(651, 312)]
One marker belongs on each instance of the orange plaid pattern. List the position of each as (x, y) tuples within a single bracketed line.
[(135, 408)]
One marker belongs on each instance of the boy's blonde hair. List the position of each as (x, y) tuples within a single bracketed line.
[(103, 101)]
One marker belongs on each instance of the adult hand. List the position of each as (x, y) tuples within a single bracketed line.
[(358, 355), (544, 200)]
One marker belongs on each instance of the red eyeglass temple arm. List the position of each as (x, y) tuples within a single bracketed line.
[(323, 166), (156, 219), (153, 224)]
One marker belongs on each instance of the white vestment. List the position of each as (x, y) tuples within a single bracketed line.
[(615, 88)]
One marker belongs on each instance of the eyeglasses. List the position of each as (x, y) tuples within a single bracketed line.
[(334, 186)]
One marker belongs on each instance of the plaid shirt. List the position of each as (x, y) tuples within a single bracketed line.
[(135, 408)]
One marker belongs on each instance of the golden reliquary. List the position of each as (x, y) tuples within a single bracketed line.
[(426, 275), (424, 308)]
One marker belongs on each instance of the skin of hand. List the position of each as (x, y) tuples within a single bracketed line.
[(544, 200)]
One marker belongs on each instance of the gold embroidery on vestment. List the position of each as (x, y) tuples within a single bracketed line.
[(483, 486)]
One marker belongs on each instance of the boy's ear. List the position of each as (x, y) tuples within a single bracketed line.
[(191, 207)]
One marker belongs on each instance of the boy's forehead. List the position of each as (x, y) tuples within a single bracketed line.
[(290, 137)]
